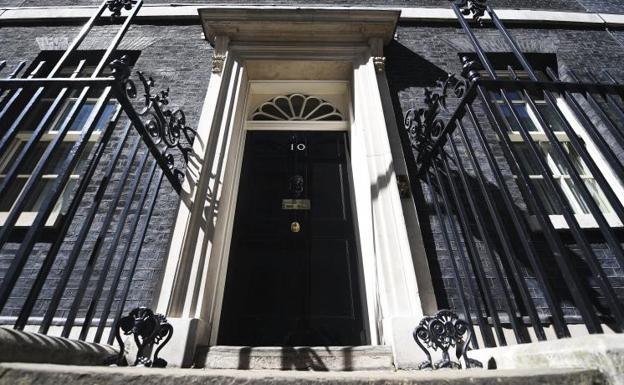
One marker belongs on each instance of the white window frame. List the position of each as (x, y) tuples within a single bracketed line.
[(585, 220), (27, 218)]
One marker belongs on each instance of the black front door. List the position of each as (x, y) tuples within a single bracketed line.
[(293, 270)]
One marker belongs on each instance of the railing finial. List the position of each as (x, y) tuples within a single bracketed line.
[(115, 6), (475, 7)]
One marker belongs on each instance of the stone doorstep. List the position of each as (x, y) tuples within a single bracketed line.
[(594, 352), (36, 374), (333, 358), (21, 346)]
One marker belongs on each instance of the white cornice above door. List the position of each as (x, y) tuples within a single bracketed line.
[(298, 25)]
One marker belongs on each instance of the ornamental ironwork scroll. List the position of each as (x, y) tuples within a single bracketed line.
[(148, 329), (166, 126), (424, 125), (426, 130), (440, 333)]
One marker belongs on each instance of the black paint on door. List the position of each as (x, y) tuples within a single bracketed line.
[(292, 275)]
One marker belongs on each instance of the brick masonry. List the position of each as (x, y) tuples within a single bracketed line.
[(184, 68), (177, 56)]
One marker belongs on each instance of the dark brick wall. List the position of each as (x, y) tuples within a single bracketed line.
[(177, 57), (422, 54), (608, 6)]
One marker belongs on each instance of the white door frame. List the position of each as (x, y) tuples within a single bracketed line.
[(196, 267)]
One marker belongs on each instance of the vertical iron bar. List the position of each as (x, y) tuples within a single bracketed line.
[(82, 34), (460, 286), (592, 131), (135, 260), (59, 65), (12, 130), (499, 226), (102, 279), (37, 133), (99, 243), (592, 323), (474, 41), (605, 228), (485, 237), (77, 199), (582, 301), (86, 226), (113, 288), (19, 261), (561, 329), (608, 97), (474, 255), (613, 128), (4, 99)]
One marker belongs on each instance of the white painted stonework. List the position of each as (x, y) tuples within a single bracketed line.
[(332, 54)]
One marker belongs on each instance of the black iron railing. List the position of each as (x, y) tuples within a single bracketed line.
[(523, 177), (106, 183)]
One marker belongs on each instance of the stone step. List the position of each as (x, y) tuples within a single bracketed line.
[(38, 374), (332, 358)]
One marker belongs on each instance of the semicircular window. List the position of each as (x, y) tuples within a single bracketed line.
[(297, 107)]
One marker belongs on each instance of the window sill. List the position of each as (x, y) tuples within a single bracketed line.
[(586, 221), (27, 218)]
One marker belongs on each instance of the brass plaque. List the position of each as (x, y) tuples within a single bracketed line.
[(295, 204)]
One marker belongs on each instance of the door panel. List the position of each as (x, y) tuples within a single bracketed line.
[(293, 284)]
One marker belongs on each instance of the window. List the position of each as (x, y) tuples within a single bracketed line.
[(54, 164), (557, 168)]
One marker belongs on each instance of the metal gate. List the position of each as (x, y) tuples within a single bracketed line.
[(70, 127), (519, 195)]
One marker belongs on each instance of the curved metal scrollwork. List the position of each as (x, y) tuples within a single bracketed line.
[(424, 126), (475, 7), (441, 332), (297, 107), (148, 329), (115, 6), (164, 125)]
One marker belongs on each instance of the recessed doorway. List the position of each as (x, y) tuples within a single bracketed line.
[(293, 275)]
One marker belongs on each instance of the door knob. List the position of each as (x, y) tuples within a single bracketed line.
[(295, 227)]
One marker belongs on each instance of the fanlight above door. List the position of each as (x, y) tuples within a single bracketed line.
[(297, 107)]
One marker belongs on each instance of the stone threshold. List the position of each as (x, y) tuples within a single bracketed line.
[(323, 358), (32, 374)]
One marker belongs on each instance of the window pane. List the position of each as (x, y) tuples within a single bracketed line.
[(576, 198), (544, 196), (551, 118), (43, 188), (11, 193), (598, 196), (526, 158), (576, 160), (83, 115)]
